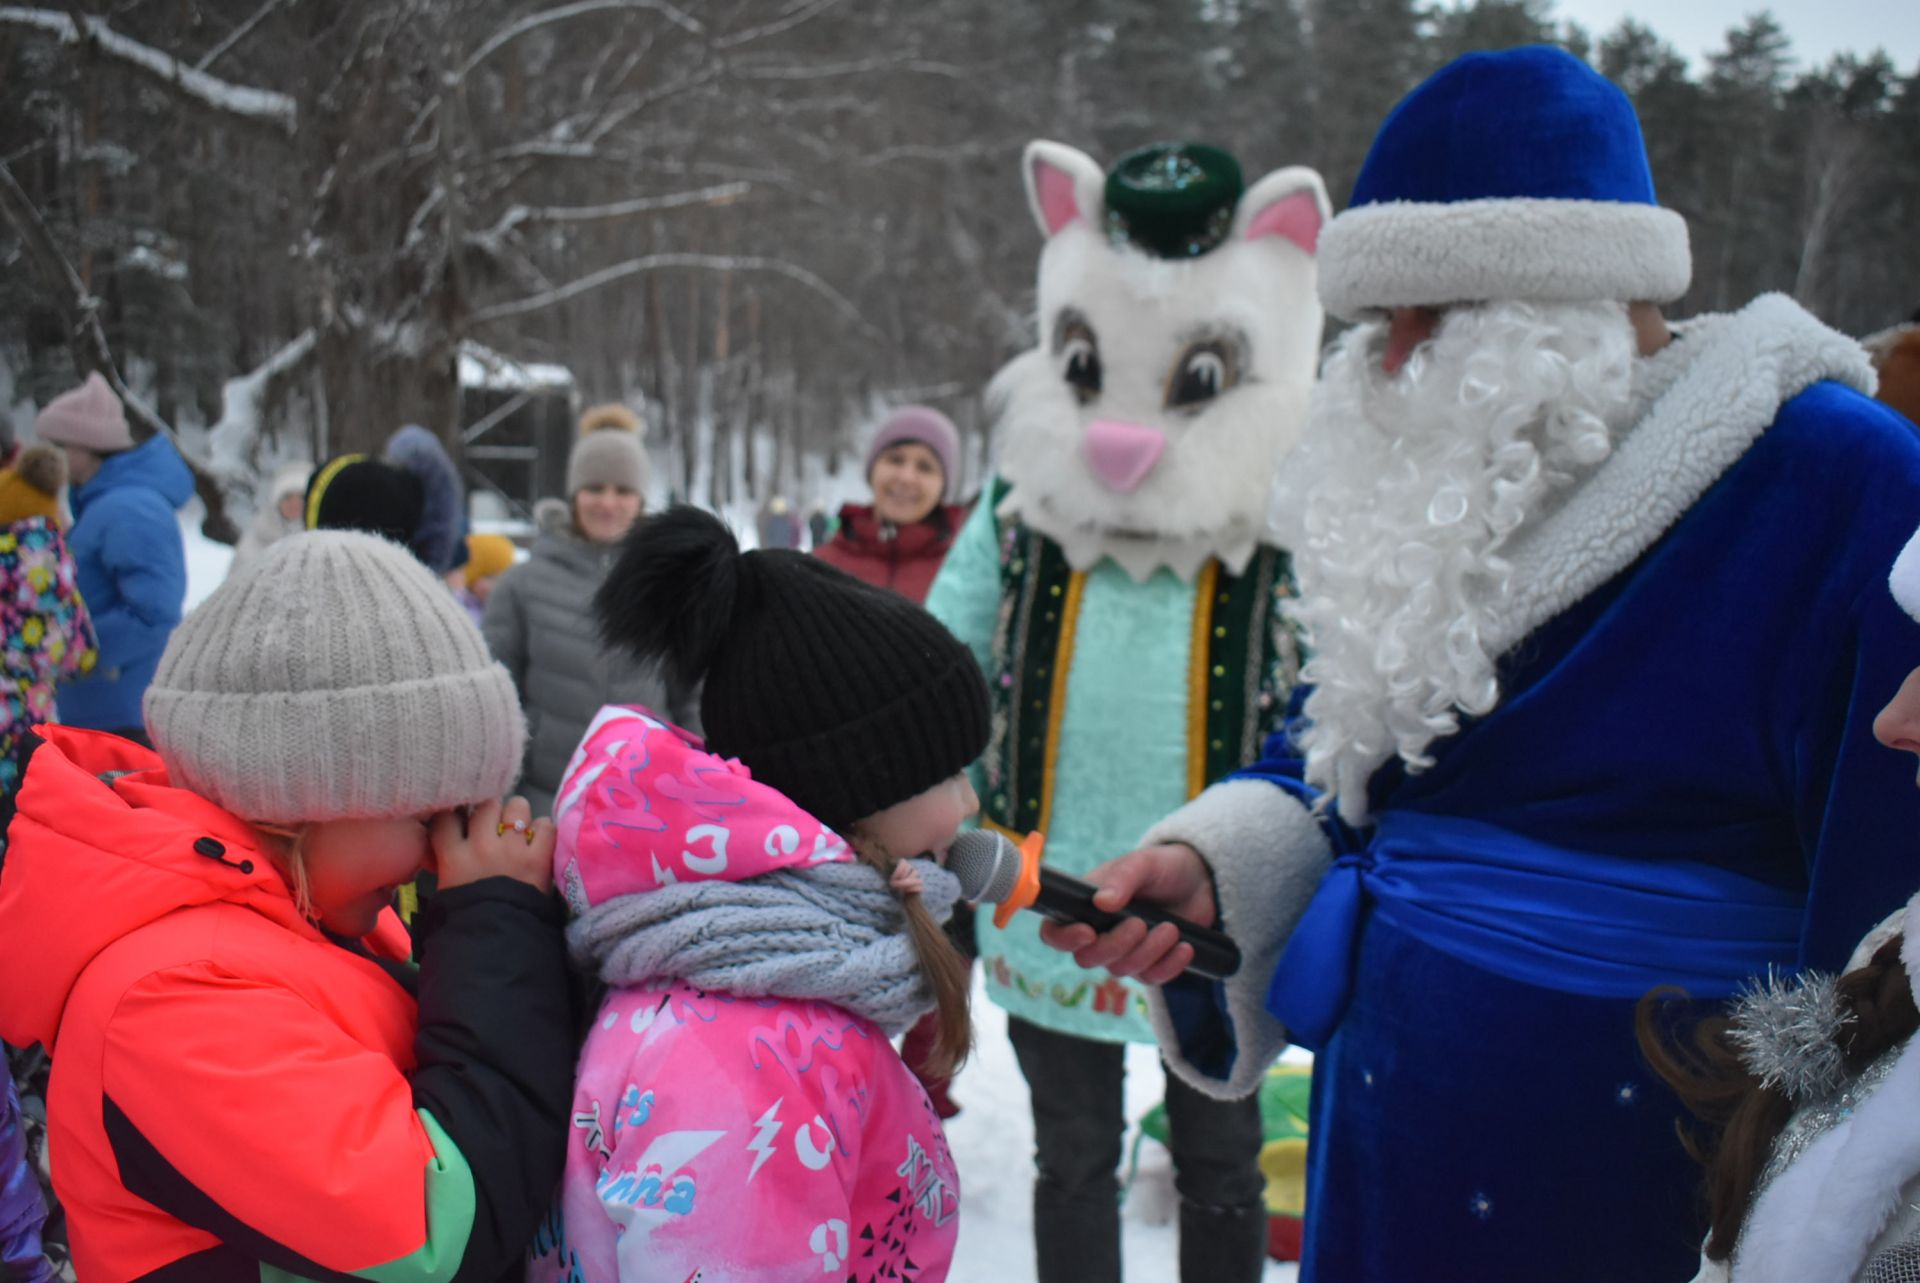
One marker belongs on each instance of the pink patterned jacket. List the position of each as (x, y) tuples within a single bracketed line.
[(721, 1139)]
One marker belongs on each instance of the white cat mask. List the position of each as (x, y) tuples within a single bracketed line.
[(1169, 382)]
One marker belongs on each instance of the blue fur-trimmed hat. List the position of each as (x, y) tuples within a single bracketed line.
[(1521, 175)]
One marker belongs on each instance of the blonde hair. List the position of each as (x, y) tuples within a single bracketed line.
[(948, 973), (288, 845)]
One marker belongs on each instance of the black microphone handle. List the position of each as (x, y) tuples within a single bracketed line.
[(1067, 899)]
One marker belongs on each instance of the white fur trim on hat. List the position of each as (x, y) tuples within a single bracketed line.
[(1419, 254), (1905, 579), (1910, 943)]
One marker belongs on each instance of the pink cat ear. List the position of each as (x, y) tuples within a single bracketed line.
[(1062, 185), (1053, 193), (1291, 204)]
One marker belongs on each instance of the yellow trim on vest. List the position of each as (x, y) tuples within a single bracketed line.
[(320, 484), (1005, 832), (1057, 708), (1201, 645), (409, 906)]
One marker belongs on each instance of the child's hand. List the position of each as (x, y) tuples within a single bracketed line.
[(906, 879), (494, 842)]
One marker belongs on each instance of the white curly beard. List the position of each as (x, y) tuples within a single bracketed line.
[(1399, 500)]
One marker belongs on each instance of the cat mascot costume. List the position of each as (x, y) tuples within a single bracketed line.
[(1118, 588)]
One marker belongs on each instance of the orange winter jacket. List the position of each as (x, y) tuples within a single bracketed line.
[(234, 1090)]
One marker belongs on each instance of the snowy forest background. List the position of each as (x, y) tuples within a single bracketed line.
[(759, 221)]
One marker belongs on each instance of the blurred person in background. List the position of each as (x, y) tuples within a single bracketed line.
[(282, 512), (900, 539), (130, 557), (539, 621)]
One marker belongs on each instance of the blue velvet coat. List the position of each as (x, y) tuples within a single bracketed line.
[(1708, 708)]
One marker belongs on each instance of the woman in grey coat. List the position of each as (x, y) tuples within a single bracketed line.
[(539, 619)]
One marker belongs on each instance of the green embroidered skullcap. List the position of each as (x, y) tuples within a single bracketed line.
[(1173, 200)]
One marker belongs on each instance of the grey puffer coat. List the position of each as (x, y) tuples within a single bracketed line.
[(539, 623)]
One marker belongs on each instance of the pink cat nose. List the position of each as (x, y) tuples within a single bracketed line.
[(1122, 454)]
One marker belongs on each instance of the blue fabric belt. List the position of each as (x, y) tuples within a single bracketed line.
[(1544, 915)]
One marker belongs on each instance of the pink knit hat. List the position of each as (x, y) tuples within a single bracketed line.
[(931, 429), (90, 417)]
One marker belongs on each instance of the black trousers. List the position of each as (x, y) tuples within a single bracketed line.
[(1079, 1128)]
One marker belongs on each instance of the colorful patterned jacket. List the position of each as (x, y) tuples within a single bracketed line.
[(49, 636), (721, 1139)]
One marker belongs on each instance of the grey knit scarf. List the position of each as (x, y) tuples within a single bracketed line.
[(834, 932)]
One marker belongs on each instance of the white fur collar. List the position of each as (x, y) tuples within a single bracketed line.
[(1085, 546), (1715, 390), (1819, 1217)]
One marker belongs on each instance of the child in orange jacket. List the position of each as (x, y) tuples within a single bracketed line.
[(251, 1074)]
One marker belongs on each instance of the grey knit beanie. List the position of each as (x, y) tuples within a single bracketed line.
[(609, 451), (334, 678)]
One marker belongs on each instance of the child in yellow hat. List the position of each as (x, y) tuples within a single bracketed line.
[(488, 557), (48, 635)]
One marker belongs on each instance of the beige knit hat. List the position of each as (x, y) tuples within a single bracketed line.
[(609, 451), (334, 678)]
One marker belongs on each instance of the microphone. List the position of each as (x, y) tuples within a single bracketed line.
[(992, 869)]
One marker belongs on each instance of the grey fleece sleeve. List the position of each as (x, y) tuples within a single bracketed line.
[(1267, 855)]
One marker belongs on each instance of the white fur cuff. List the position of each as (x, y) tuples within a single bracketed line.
[(1417, 254), (1267, 855), (1905, 579)]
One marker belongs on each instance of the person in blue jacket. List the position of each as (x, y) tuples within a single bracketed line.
[(1599, 623), (126, 545)]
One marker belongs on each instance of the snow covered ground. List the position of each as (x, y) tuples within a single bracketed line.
[(992, 1142), (992, 1138), (207, 561)]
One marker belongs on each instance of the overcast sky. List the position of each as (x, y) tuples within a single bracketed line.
[(1818, 28)]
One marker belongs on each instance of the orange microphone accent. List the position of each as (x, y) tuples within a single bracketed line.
[(1026, 887), (992, 870)]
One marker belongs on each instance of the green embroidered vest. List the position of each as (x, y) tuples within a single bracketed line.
[(1245, 663)]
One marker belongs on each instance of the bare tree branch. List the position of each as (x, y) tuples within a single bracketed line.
[(821, 71), (802, 14), (565, 12), (261, 105), (520, 215), (656, 262), (91, 351), (566, 140), (238, 34)]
